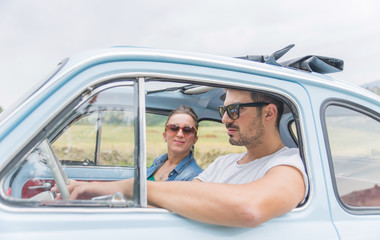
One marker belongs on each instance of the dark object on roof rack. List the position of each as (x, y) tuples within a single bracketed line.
[(310, 63)]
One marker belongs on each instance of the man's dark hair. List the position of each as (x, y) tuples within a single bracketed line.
[(260, 97)]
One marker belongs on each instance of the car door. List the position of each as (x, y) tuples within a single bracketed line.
[(352, 133)]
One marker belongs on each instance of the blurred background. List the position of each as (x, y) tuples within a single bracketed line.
[(36, 35)]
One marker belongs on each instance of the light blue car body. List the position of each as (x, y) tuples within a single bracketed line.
[(321, 217)]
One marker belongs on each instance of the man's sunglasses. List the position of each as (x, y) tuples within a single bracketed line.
[(188, 131), (233, 110)]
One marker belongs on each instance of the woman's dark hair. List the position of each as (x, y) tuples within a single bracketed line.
[(184, 110)]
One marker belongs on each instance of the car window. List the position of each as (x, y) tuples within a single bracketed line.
[(354, 140), (77, 144), (101, 133)]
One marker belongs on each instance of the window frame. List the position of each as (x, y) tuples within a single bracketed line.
[(359, 109)]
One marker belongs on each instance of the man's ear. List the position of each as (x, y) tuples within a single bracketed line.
[(270, 112), (164, 135)]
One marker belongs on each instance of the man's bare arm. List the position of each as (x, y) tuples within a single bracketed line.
[(242, 205)]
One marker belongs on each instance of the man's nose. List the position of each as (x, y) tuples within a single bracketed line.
[(226, 118)]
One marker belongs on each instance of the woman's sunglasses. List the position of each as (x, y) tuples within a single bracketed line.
[(187, 131), (233, 110)]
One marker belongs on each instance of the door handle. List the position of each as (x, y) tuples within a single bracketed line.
[(46, 186)]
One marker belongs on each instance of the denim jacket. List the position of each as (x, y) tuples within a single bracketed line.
[(186, 170)]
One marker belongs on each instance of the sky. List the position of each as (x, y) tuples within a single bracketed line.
[(36, 35)]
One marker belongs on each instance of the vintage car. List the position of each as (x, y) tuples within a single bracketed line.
[(100, 117)]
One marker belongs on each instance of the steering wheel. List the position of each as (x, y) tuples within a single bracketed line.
[(55, 166)]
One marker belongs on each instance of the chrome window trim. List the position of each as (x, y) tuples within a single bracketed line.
[(139, 185), (99, 130)]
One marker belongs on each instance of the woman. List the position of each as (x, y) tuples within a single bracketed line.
[(181, 135)]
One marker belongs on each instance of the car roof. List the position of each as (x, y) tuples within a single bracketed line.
[(99, 56)]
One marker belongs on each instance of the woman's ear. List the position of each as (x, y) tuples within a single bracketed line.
[(164, 135), (195, 140)]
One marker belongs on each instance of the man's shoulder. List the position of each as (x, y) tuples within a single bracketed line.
[(289, 153), (217, 168), (285, 155)]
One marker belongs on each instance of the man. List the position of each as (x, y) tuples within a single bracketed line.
[(241, 190)]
